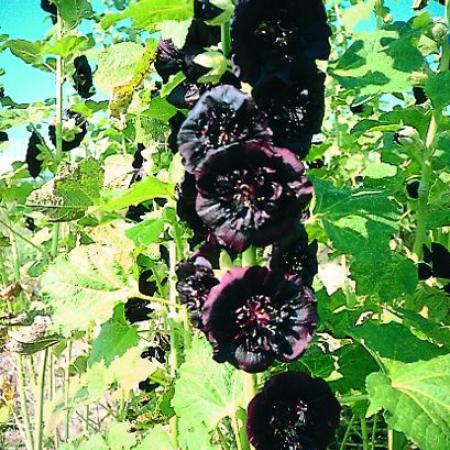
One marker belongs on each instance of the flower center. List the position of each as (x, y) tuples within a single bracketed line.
[(220, 126), (288, 423), (258, 322), (276, 34)]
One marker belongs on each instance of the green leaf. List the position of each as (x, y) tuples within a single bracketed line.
[(157, 439), (146, 14), (139, 192), (73, 11), (390, 276), (116, 65), (175, 30), (95, 442), (437, 89), (416, 399), (30, 53), (216, 62), (377, 62), (379, 170), (194, 438), (206, 391), (90, 281), (68, 45), (119, 436), (32, 113), (174, 81), (359, 222), (393, 342), (115, 338), (146, 232), (160, 109), (70, 193)]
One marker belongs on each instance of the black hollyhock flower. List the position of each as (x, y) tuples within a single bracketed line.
[(169, 60), (295, 110), (357, 109), (147, 286), (279, 38), (147, 386), (50, 7), (224, 115), (293, 256), (412, 187), (205, 10), (419, 95), (255, 316), (29, 224), (293, 412), (195, 281), (137, 310), (32, 157), (3, 136), (251, 194), (187, 195), (437, 262), (78, 121), (83, 77), (154, 352)]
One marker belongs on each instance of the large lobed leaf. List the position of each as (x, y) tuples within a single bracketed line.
[(416, 400), (70, 193), (206, 391), (85, 286)]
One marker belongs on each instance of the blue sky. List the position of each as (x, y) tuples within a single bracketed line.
[(24, 19)]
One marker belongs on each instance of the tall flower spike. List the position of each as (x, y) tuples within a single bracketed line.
[(278, 37), (293, 412), (295, 110), (224, 115), (255, 316), (251, 194)]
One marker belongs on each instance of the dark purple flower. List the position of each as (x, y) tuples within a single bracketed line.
[(256, 315), (293, 412), (169, 59), (83, 77), (146, 285), (32, 157), (279, 38), (3, 136), (147, 386), (419, 95), (76, 120), (293, 256), (295, 110), (187, 195), (50, 7), (412, 187), (137, 310), (224, 115), (195, 281), (437, 260), (251, 194), (154, 352)]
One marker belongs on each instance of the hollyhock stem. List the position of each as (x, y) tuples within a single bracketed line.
[(427, 172), (40, 402), (226, 38)]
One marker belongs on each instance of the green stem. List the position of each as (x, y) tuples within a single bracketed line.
[(347, 433), (427, 171), (226, 38), (67, 391), (55, 239), (23, 402), (59, 92), (374, 431), (349, 399), (390, 436), (40, 402), (21, 236), (173, 357), (365, 434)]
